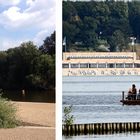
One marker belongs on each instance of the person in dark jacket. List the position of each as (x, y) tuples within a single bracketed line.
[(134, 92)]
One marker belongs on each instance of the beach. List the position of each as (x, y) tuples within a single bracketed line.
[(38, 122)]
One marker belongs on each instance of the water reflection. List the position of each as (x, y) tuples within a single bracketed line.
[(122, 136), (31, 96)]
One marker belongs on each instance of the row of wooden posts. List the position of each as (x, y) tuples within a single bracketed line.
[(100, 128)]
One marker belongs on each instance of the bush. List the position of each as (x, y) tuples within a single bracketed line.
[(7, 114), (68, 118)]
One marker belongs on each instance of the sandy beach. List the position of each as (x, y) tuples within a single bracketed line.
[(38, 122), (36, 113)]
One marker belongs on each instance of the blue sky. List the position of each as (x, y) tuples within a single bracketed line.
[(24, 20)]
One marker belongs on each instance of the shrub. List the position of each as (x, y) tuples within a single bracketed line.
[(68, 118), (7, 114)]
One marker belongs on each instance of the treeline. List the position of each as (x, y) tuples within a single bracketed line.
[(88, 25), (28, 66)]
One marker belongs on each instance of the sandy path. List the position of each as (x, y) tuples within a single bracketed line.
[(38, 114), (27, 134)]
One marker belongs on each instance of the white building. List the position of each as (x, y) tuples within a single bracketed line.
[(100, 63)]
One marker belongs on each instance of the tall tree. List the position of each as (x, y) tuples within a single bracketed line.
[(49, 45), (117, 41), (134, 18)]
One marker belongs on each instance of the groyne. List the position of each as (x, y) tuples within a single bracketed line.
[(100, 128)]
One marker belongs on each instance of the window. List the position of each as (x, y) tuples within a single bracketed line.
[(110, 65), (74, 65), (84, 65), (120, 65), (128, 65), (101, 65), (93, 65), (137, 65), (65, 65)]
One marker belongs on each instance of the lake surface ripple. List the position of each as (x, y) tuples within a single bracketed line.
[(97, 99)]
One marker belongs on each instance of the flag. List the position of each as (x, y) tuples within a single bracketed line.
[(64, 41)]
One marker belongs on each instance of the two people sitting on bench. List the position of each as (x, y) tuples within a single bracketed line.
[(132, 93)]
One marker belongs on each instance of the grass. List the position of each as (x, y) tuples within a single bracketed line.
[(8, 111)]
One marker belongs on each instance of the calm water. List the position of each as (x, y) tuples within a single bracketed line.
[(97, 99), (31, 96), (122, 136)]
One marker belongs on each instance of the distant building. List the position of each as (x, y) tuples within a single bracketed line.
[(100, 63)]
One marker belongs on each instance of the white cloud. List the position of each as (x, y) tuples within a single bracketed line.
[(40, 4), (14, 19), (39, 15), (38, 39), (13, 14), (9, 2), (7, 43), (29, 2)]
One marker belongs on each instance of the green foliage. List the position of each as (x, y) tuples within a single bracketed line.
[(7, 114), (44, 71), (68, 118), (27, 67), (49, 45), (117, 41), (134, 17), (20, 64), (89, 21)]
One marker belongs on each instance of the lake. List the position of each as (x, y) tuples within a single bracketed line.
[(122, 136), (97, 99), (31, 96)]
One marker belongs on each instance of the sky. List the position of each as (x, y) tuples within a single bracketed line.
[(25, 20)]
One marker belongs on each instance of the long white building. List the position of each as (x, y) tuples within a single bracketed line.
[(100, 63)]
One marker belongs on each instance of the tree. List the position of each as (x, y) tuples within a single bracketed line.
[(117, 41), (20, 64), (134, 17), (43, 75), (49, 45), (95, 17), (3, 68), (68, 10)]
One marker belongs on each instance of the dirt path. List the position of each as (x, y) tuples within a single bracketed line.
[(36, 113), (25, 133), (34, 116)]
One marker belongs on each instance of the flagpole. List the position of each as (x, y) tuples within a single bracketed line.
[(65, 48), (65, 45)]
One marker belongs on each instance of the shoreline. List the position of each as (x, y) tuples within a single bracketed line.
[(37, 122), (35, 113)]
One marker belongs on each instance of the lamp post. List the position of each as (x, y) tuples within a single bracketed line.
[(100, 34), (133, 44), (64, 43)]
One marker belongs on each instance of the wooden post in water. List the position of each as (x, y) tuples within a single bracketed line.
[(138, 126), (100, 128), (23, 92), (85, 129), (123, 97)]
